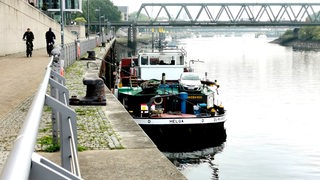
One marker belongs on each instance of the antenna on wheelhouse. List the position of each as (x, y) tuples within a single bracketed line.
[(193, 61)]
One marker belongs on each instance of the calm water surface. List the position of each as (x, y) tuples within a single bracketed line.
[(272, 95)]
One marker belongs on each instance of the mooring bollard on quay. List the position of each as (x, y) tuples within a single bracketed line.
[(95, 93)]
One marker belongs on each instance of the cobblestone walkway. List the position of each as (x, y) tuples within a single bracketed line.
[(94, 130)]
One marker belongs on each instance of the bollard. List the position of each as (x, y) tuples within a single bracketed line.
[(91, 55), (95, 94)]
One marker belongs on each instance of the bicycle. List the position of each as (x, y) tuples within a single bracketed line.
[(29, 48), (50, 48)]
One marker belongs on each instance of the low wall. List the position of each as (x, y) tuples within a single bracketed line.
[(16, 16)]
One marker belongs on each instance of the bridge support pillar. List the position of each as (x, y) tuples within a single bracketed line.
[(132, 37)]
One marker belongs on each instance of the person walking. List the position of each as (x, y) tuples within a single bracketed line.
[(50, 37), (28, 37)]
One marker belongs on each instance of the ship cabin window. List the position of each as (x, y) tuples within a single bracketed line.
[(135, 62), (144, 60), (173, 61), (165, 60), (176, 59), (154, 61), (181, 60)]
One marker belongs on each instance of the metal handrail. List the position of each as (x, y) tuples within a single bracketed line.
[(66, 129), (65, 98)]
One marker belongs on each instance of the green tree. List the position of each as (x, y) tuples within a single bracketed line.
[(288, 34), (316, 34), (309, 33), (142, 17), (106, 8), (80, 20), (304, 33)]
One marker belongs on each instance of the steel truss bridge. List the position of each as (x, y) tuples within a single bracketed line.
[(225, 14)]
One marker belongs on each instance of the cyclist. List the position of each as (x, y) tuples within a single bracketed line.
[(28, 37), (50, 37)]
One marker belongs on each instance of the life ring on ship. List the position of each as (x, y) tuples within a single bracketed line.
[(158, 102)]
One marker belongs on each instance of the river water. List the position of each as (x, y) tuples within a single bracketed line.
[(272, 97)]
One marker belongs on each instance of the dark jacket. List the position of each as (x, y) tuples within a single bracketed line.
[(50, 36), (28, 36)]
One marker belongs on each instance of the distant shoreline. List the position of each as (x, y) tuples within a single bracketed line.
[(298, 44)]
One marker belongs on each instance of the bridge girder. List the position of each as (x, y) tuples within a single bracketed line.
[(230, 13), (208, 24), (226, 14)]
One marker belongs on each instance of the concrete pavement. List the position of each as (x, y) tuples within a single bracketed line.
[(20, 77)]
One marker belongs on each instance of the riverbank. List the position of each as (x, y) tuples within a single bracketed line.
[(297, 44)]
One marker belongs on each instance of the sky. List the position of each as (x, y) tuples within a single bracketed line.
[(134, 5)]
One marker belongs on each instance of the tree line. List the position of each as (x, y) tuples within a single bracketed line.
[(96, 11), (306, 33)]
